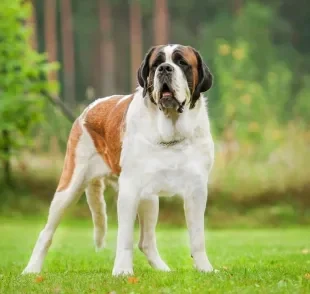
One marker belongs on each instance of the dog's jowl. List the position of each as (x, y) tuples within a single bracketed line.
[(154, 142)]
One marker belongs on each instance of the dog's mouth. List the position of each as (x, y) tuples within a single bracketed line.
[(167, 99), (166, 92)]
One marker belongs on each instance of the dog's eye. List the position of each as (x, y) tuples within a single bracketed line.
[(156, 64), (182, 62)]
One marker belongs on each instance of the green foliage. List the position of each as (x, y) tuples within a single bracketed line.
[(22, 76), (302, 106), (254, 84)]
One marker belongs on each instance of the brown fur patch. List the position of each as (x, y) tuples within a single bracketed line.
[(105, 123), (69, 164), (157, 49), (190, 57)]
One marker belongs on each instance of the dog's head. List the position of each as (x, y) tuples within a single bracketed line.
[(174, 75)]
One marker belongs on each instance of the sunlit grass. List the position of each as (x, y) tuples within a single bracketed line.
[(250, 261)]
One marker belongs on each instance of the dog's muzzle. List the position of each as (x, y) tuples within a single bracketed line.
[(167, 99)]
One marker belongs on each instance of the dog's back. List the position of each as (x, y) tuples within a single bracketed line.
[(104, 122)]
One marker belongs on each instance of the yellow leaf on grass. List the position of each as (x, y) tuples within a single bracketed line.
[(305, 251), (39, 279), (133, 280), (307, 276)]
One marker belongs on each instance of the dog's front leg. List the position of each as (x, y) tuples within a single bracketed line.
[(127, 204), (194, 206)]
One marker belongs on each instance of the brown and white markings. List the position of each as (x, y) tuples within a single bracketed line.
[(157, 141)]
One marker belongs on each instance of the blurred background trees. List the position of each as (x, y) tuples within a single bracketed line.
[(101, 43), (22, 82), (258, 51)]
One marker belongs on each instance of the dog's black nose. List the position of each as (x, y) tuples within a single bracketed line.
[(165, 68)]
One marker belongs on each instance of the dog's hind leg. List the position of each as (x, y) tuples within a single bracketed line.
[(70, 188), (148, 215), (97, 206), (62, 200)]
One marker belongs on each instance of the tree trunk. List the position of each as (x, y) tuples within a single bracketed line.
[(68, 52), (135, 40), (50, 34), (32, 22), (55, 100), (95, 84), (107, 59), (6, 149), (161, 22), (237, 5)]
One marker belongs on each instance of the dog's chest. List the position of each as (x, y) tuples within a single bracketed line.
[(169, 170)]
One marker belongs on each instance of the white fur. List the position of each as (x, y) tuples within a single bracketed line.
[(168, 52), (97, 206), (182, 169), (149, 169)]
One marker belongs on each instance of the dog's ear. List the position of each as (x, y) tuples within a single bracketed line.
[(205, 79), (144, 70)]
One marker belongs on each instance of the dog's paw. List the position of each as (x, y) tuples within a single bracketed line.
[(164, 268), (160, 265), (202, 262), (203, 265), (117, 272), (206, 268), (30, 270)]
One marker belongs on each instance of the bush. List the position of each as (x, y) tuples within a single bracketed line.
[(22, 79)]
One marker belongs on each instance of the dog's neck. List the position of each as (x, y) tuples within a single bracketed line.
[(171, 114), (170, 126)]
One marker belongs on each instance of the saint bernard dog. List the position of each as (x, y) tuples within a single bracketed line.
[(155, 142)]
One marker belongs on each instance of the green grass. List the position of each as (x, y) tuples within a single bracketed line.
[(250, 261)]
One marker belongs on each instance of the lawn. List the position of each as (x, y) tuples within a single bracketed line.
[(250, 261)]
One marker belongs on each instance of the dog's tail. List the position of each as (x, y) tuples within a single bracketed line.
[(97, 206)]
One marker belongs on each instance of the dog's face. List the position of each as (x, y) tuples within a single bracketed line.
[(173, 76)]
